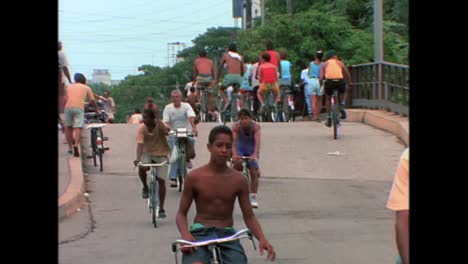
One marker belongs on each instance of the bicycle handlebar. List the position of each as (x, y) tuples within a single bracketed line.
[(164, 163), (244, 233)]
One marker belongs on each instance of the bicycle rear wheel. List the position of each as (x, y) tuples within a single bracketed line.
[(93, 145)]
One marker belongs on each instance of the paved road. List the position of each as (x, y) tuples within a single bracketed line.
[(313, 207)]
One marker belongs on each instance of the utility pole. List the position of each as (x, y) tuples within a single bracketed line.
[(248, 14), (378, 43), (289, 4), (378, 35), (262, 3)]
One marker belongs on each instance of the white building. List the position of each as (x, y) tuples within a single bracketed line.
[(101, 76)]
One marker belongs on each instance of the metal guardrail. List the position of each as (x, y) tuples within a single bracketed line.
[(381, 85)]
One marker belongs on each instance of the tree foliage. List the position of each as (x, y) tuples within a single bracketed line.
[(344, 25)]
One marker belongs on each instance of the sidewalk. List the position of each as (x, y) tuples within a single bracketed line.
[(63, 168), (70, 180)]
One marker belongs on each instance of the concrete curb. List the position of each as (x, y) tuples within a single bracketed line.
[(382, 119), (73, 197)]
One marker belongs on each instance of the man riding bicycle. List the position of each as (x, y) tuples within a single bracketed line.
[(246, 134), (333, 71), (215, 188), (203, 73), (179, 114), (152, 147), (246, 88), (234, 64)]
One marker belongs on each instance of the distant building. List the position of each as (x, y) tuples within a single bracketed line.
[(101, 76)]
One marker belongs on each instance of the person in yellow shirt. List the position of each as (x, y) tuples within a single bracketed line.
[(74, 111), (152, 146), (136, 117), (398, 201)]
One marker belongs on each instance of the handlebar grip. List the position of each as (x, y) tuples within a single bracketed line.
[(174, 247)]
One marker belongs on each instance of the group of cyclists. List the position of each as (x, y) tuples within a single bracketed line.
[(215, 186), (270, 71)]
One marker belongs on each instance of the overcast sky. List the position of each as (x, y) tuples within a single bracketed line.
[(121, 35)]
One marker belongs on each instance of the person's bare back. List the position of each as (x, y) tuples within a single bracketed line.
[(215, 194), (234, 65)]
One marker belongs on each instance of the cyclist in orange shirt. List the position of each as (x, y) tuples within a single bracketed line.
[(334, 75)]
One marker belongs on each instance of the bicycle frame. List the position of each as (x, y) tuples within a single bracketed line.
[(181, 136), (153, 199), (269, 111), (97, 145), (231, 111), (212, 245), (285, 111), (204, 102)]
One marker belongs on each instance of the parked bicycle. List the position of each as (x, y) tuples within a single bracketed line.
[(214, 246), (96, 137), (153, 198), (181, 137)]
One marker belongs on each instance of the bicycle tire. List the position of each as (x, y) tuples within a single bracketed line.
[(153, 188), (93, 145), (335, 122)]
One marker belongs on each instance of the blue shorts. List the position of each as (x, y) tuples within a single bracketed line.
[(250, 163), (231, 252)]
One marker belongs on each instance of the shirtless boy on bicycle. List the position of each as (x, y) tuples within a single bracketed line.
[(215, 187)]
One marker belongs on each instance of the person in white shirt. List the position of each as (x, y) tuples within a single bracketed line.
[(307, 91), (179, 114)]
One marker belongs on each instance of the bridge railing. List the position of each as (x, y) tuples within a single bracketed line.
[(380, 86)]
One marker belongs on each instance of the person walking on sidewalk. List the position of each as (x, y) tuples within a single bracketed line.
[(74, 111)]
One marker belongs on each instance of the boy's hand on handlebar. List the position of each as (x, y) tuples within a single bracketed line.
[(264, 245), (190, 250), (195, 131), (253, 157)]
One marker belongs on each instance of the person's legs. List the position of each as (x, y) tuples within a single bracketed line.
[(276, 93), (260, 93), (162, 196), (307, 94), (142, 172), (254, 182), (174, 164), (161, 173), (328, 91), (231, 252), (78, 122)]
